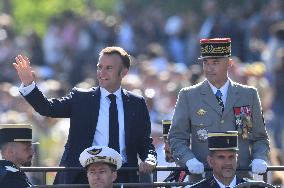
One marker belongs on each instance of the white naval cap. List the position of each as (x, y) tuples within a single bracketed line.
[(101, 154)]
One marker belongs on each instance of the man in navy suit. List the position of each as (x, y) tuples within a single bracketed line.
[(88, 111)]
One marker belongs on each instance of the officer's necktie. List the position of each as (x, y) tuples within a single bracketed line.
[(113, 124), (219, 99)]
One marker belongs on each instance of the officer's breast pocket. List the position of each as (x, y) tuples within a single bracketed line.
[(201, 122), (200, 128)]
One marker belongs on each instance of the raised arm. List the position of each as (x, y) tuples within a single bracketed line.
[(24, 70)]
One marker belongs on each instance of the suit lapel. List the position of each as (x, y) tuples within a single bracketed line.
[(232, 97), (96, 95), (209, 97), (127, 114)]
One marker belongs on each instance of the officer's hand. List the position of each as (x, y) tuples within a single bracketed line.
[(194, 166), (146, 167), (25, 72), (258, 166)]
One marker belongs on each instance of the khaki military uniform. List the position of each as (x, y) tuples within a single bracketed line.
[(197, 112)]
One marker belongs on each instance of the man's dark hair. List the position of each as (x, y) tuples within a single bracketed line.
[(125, 57)]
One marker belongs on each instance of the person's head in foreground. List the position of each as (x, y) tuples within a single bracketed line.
[(101, 163), (222, 158), (16, 143)]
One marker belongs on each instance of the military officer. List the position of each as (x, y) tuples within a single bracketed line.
[(16, 150), (218, 104), (222, 158), (101, 163)]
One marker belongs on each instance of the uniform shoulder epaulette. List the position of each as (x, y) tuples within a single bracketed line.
[(200, 182), (11, 169)]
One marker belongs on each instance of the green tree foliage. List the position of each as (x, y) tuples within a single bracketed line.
[(35, 14)]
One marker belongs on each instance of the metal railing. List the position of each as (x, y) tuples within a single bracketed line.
[(45, 170), (155, 184)]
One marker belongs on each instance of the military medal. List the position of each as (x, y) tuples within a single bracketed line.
[(201, 112), (202, 135), (243, 120)]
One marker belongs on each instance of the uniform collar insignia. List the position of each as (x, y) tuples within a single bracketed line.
[(11, 169), (212, 182)]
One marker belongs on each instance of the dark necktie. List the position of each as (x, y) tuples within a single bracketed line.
[(219, 99), (113, 124)]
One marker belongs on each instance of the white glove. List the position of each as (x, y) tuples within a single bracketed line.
[(258, 166), (194, 166)]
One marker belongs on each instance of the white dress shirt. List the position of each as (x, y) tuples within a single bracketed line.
[(232, 184), (101, 137), (25, 90)]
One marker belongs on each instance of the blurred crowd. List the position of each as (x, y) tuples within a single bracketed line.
[(164, 51)]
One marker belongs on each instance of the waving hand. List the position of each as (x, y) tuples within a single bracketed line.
[(24, 70)]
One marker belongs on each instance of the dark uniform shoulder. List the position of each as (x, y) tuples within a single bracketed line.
[(202, 184), (3, 170), (256, 184), (11, 176), (4, 167), (206, 183)]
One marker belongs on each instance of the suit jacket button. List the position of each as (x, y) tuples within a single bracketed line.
[(222, 121)]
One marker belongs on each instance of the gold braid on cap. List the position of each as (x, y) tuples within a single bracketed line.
[(215, 50), (101, 159)]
